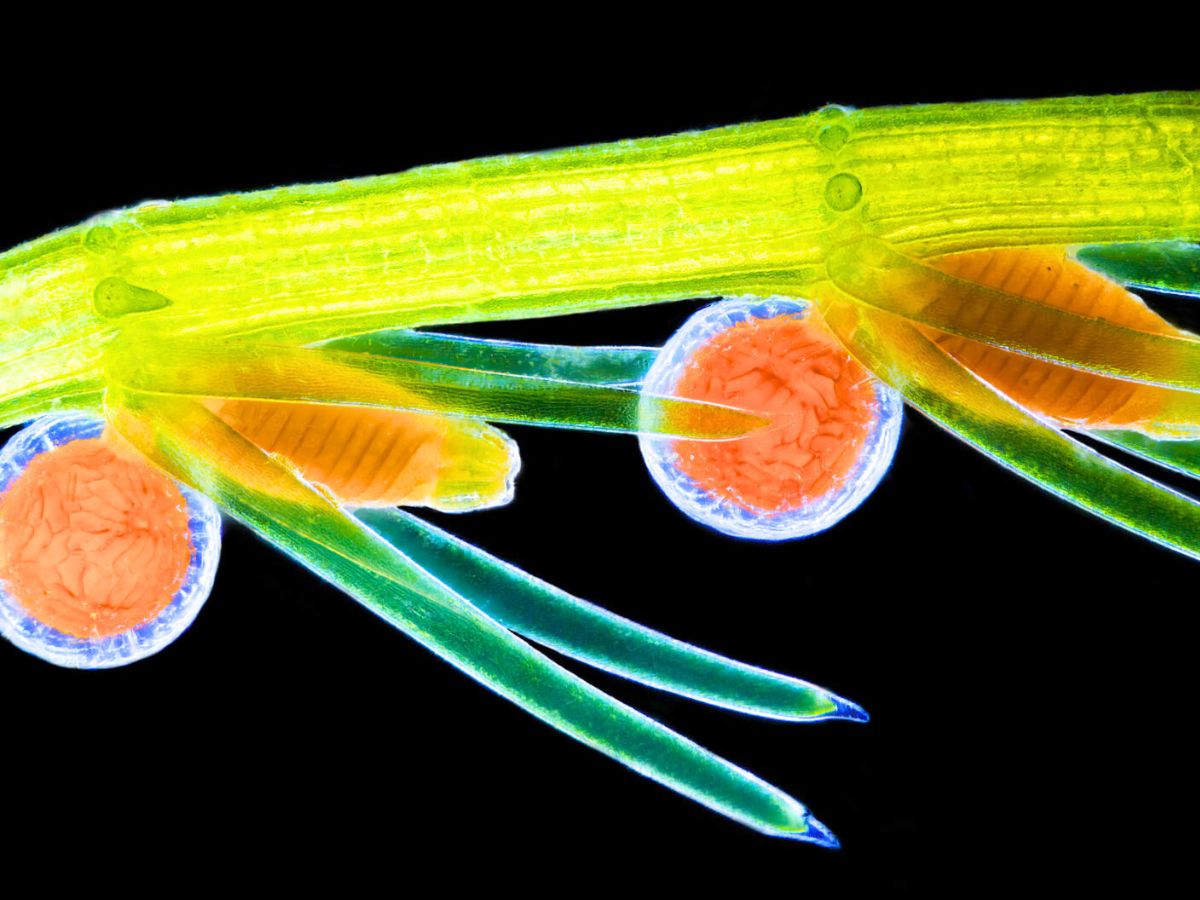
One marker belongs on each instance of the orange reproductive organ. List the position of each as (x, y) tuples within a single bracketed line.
[(832, 427), (1069, 396), (384, 457), (820, 401), (93, 542), (104, 559)]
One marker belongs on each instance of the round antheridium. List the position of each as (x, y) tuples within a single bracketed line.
[(833, 430), (104, 560)]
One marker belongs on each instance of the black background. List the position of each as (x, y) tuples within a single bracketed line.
[(1028, 668)]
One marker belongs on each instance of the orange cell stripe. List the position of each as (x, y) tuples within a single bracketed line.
[(1067, 395), (380, 457), (362, 455)]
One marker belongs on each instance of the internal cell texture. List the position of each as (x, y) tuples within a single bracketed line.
[(385, 457), (821, 401), (103, 560), (833, 427), (93, 543), (1074, 398)]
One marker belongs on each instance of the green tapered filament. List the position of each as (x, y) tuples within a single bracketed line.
[(193, 445), (584, 365), (323, 375), (1181, 456), (583, 631), (1162, 265)]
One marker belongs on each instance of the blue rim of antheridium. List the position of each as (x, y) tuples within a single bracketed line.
[(50, 644), (722, 514)]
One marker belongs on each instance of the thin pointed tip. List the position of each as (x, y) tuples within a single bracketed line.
[(817, 833), (848, 710)]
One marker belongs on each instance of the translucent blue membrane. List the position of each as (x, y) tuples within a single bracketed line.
[(724, 515), (32, 636)]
